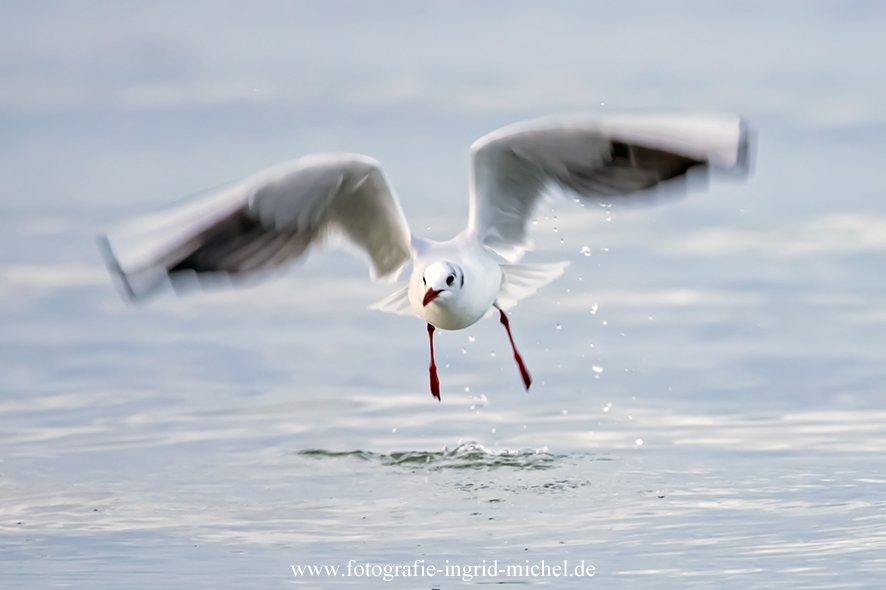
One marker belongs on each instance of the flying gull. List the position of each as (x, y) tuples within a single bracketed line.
[(272, 218)]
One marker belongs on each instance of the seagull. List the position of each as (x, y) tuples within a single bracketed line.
[(275, 216)]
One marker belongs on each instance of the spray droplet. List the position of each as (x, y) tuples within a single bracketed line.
[(464, 350), (492, 353), (467, 389), (597, 369), (639, 442), (393, 430), (586, 251), (479, 401), (594, 309), (555, 230), (565, 412), (559, 326), (471, 338)]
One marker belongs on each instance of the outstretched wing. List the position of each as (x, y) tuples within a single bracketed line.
[(606, 158), (264, 222)]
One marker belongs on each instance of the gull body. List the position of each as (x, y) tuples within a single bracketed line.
[(277, 215), (464, 275)]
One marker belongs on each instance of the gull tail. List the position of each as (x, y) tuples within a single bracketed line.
[(397, 303), (519, 281)]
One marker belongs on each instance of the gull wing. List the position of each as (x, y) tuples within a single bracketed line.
[(607, 158), (262, 223)]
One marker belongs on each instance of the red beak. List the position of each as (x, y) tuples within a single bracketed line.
[(430, 296)]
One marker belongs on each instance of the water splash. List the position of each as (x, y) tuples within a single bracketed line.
[(470, 455), (479, 401)]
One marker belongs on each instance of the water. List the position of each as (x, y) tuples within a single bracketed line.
[(707, 408)]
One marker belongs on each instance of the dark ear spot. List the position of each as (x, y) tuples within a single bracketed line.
[(462, 279), (424, 282)]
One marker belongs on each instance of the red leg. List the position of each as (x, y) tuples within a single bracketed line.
[(435, 382), (527, 380)]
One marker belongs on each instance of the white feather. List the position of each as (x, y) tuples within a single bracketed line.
[(519, 281)]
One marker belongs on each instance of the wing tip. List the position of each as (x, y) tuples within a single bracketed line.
[(746, 152), (113, 266)]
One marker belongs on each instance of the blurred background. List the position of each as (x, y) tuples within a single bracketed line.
[(708, 405)]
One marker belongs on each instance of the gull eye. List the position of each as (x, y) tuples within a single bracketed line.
[(450, 279)]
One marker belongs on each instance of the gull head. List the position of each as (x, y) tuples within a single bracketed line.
[(442, 281)]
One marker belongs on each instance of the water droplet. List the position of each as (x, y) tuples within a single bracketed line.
[(479, 401), (594, 309), (639, 442), (606, 409), (467, 389), (559, 326), (605, 323), (604, 249), (464, 350), (565, 412), (492, 353), (650, 317), (555, 230), (393, 430), (471, 338), (493, 431), (597, 369), (562, 240), (608, 216), (586, 250)]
